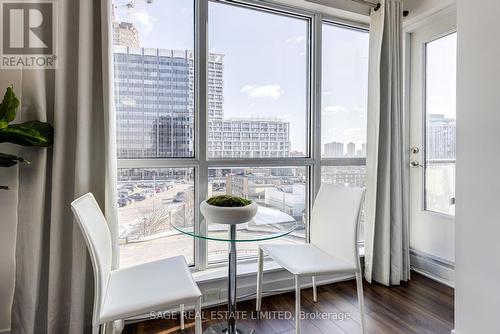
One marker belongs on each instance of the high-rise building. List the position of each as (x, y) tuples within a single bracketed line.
[(362, 151), (351, 149), (125, 34), (154, 91), (334, 149), (153, 87), (441, 137), (248, 138)]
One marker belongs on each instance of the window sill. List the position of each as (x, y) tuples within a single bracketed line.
[(246, 268)]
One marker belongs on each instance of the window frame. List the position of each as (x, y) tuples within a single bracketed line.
[(201, 163)]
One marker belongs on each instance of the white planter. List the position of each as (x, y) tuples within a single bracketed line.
[(228, 215)]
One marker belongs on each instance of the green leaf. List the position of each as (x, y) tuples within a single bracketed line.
[(32, 133), (9, 160), (8, 107)]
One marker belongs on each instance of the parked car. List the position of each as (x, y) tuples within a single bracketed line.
[(123, 201), (124, 192), (138, 197), (180, 196), (160, 189), (130, 187), (149, 193)]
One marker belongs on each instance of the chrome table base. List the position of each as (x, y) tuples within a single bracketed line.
[(230, 327)]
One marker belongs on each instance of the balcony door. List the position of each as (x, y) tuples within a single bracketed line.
[(432, 144)]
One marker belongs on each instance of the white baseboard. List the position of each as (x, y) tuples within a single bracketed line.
[(433, 267), (5, 331)]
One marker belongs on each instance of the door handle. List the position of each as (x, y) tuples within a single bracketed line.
[(415, 164)]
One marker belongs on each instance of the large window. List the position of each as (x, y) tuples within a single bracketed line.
[(236, 118), (264, 57), (344, 92), (154, 100), (343, 110)]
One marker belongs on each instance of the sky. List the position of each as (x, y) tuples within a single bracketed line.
[(266, 64), (441, 63)]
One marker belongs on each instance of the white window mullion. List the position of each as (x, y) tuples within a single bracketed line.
[(201, 75), (316, 105)]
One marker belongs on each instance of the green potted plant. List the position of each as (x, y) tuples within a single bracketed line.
[(228, 209), (30, 133)]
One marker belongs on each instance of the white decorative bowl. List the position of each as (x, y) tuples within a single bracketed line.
[(228, 215)]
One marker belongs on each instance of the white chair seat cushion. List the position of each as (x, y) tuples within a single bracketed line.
[(151, 286), (307, 259)]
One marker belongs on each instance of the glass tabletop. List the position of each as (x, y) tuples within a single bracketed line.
[(267, 224)]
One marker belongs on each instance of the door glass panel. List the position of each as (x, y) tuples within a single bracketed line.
[(440, 125)]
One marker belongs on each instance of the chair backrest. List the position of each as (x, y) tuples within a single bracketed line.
[(335, 221), (98, 239)]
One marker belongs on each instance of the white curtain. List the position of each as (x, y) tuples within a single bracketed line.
[(54, 279), (386, 231)]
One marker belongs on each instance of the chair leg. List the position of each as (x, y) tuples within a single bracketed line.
[(260, 269), (96, 329), (297, 304), (361, 301), (197, 317), (181, 316), (315, 291)]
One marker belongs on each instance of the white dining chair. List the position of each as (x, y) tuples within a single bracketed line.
[(136, 290), (333, 248)]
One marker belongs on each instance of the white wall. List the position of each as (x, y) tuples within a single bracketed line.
[(477, 295), (8, 216)]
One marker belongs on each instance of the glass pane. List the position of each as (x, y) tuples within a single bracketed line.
[(280, 188), (344, 92), (440, 187), (440, 127), (349, 176), (258, 83), (154, 78), (149, 200)]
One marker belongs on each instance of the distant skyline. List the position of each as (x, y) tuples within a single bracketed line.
[(265, 74)]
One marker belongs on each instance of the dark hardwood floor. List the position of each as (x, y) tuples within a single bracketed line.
[(421, 306)]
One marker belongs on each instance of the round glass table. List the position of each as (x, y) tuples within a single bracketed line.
[(266, 225)]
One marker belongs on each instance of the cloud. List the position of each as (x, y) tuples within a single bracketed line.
[(341, 109), (144, 21), (335, 109), (295, 40), (272, 91)]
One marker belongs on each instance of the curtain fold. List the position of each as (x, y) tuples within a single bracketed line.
[(386, 231), (54, 278)]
